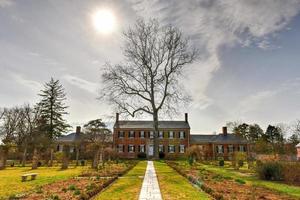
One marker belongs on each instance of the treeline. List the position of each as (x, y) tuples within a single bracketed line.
[(278, 139), (33, 129)]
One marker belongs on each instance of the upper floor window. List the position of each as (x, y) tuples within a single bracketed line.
[(161, 134), (151, 134), (120, 148), (121, 134), (142, 134), (142, 148), (171, 149), (181, 148), (220, 149), (131, 134), (130, 148), (171, 134), (181, 134)]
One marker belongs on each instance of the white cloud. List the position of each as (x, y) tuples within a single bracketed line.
[(33, 85), (6, 3), (82, 83)]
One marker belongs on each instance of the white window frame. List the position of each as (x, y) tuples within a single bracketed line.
[(220, 149), (160, 148), (181, 135), (161, 134), (181, 148), (131, 132), (151, 134), (142, 134), (242, 149), (120, 148), (142, 148), (230, 149), (171, 147), (170, 134), (129, 148)]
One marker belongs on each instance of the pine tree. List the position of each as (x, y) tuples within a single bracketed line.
[(52, 108)]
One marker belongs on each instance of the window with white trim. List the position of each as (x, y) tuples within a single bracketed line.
[(171, 134), (130, 148), (230, 149), (121, 134), (181, 135), (161, 134), (160, 148), (242, 148), (131, 134), (220, 149), (171, 149), (181, 148), (142, 134), (151, 134), (142, 148), (120, 147)]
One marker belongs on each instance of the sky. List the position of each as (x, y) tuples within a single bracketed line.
[(248, 70)]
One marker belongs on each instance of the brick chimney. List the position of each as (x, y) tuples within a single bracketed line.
[(186, 117), (78, 129), (117, 117), (224, 129)]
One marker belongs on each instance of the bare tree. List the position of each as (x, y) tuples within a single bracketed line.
[(148, 81)]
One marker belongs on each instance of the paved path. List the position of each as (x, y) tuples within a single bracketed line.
[(150, 188)]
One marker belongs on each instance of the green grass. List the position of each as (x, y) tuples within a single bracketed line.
[(10, 178), (253, 180), (174, 186), (126, 187)]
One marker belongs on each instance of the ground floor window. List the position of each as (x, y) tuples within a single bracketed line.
[(131, 148), (171, 149), (230, 148), (120, 148), (220, 149), (181, 148), (142, 148), (242, 148), (161, 148)]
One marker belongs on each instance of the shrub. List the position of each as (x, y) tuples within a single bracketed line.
[(240, 181), (190, 160), (221, 163), (77, 192), (72, 187), (39, 190), (82, 162), (241, 163), (161, 155), (64, 190), (270, 170), (142, 155), (84, 196), (291, 172)]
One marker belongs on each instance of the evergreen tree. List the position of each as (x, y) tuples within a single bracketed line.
[(52, 108)]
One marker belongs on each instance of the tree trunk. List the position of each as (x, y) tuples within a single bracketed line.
[(96, 159), (65, 158), (24, 156), (101, 157), (35, 159), (155, 126), (77, 155), (50, 164), (3, 157)]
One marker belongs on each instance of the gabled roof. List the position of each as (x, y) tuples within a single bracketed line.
[(149, 124), (70, 138), (221, 138)]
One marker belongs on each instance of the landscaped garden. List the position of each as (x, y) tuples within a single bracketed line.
[(225, 182), (79, 182)]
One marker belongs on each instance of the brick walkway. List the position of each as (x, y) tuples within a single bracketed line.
[(150, 188)]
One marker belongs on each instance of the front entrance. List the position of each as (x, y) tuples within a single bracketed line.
[(151, 150)]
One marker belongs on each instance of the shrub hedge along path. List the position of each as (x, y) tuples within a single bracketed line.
[(174, 186)]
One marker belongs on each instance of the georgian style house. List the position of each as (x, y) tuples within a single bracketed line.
[(133, 137)]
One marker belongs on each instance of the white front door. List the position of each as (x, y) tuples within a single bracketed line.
[(150, 150)]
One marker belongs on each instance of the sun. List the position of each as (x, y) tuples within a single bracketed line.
[(104, 21)]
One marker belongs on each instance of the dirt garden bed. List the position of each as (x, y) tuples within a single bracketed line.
[(85, 186), (221, 187)]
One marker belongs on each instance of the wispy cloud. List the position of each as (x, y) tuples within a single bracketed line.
[(82, 83), (33, 85), (6, 3)]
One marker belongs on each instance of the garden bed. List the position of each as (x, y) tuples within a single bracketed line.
[(85, 186), (225, 187)]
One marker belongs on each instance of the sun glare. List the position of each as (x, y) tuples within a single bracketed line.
[(104, 21)]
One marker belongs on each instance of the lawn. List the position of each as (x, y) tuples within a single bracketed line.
[(10, 178), (128, 186), (253, 180), (174, 186)]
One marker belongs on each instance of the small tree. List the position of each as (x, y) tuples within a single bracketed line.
[(53, 109), (148, 82), (99, 136)]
